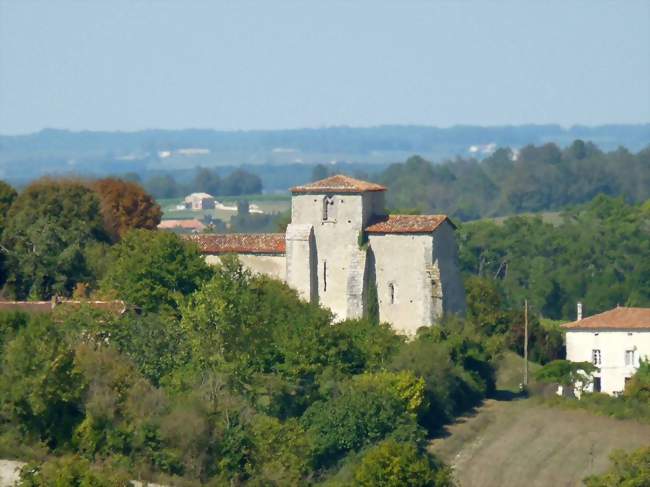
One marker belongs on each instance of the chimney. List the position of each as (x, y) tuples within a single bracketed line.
[(579, 311)]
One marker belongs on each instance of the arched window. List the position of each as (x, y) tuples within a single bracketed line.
[(391, 293), (328, 208)]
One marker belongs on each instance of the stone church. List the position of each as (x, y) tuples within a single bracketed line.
[(343, 251)]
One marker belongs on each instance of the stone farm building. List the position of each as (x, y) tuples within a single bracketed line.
[(614, 341), (199, 201), (340, 246)]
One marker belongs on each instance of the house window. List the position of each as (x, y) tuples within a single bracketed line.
[(328, 209), (391, 293), (324, 276), (629, 358), (595, 357)]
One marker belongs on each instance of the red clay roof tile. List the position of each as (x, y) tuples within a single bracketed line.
[(617, 318), (338, 184), (240, 243), (407, 224), (192, 224)]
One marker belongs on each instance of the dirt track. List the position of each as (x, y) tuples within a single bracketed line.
[(520, 443)]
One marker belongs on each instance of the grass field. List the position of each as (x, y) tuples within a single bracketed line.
[(522, 442)]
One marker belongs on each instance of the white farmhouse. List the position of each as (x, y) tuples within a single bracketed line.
[(615, 341), (199, 201), (342, 250)]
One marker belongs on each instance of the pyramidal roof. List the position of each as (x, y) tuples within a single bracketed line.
[(338, 184)]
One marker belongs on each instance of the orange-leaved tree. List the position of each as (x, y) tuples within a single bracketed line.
[(125, 205)]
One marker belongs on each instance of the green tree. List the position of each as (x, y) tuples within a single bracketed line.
[(48, 227), (70, 471), (206, 181), (627, 470), (638, 386), (223, 323), (567, 374), (41, 388), (154, 270), (364, 409), (7, 197), (394, 464)]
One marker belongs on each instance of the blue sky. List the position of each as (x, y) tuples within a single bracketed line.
[(129, 64)]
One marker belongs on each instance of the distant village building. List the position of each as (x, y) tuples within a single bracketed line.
[(615, 341), (182, 226), (199, 201), (343, 251)]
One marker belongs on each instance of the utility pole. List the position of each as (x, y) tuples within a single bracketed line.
[(525, 343)]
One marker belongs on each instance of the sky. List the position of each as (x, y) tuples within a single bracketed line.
[(271, 64)]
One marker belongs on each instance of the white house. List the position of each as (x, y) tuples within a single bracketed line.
[(199, 201), (615, 341)]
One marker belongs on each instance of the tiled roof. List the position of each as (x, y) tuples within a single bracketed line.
[(338, 184), (240, 243), (192, 224), (617, 318), (407, 224)]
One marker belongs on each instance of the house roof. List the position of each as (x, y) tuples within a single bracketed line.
[(407, 224), (338, 184), (240, 243), (617, 318), (192, 224), (197, 196)]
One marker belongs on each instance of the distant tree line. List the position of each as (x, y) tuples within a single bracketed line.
[(205, 180), (596, 253), (533, 179)]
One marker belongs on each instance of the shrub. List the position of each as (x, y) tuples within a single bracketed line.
[(394, 464), (627, 470), (70, 471), (351, 420)]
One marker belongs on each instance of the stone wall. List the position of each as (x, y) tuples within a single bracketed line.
[(271, 265), (445, 252), (301, 261), (403, 284), (336, 241)]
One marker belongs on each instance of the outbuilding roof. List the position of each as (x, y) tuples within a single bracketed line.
[(192, 224), (240, 243), (189, 197), (338, 184), (618, 318), (407, 224)]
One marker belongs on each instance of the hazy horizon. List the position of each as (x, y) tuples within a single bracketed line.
[(137, 65)]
